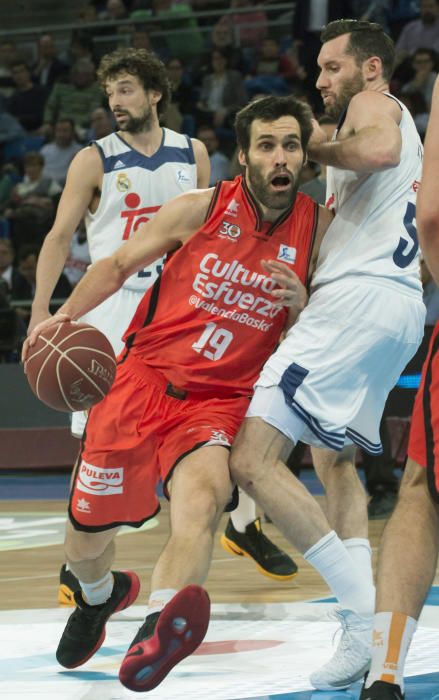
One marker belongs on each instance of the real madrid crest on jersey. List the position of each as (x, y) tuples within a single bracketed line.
[(123, 183)]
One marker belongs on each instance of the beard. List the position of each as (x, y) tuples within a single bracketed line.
[(260, 189), (348, 89), (137, 125)]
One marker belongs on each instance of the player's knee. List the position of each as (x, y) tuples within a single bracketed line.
[(241, 466)]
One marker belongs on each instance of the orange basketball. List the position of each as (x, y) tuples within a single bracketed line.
[(71, 366)]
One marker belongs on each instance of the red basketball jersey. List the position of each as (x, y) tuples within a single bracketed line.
[(209, 323)]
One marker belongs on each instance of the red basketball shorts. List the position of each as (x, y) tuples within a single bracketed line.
[(423, 445), (134, 438)]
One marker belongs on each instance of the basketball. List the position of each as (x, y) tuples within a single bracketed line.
[(71, 366)]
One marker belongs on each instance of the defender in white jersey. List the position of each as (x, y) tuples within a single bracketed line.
[(329, 379), (119, 182)]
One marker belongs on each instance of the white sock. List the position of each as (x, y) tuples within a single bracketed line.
[(245, 513), (98, 592), (361, 553), (392, 635), (159, 598), (332, 560)]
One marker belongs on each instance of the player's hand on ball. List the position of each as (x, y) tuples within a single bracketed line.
[(41, 327), (291, 292)]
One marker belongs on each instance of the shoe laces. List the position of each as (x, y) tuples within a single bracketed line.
[(85, 622)]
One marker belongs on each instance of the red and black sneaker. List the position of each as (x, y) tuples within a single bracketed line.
[(85, 629), (165, 639)]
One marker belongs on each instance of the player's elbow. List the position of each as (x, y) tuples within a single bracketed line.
[(387, 157)]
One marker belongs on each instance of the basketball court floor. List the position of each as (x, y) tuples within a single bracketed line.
[(263, 641)]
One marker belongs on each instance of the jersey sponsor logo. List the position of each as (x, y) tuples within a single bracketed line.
[(183, 176), (232, 208), (228, 291), (118, 165), (135, 215), (83, 506), (229, 230), (123, 182), (287, 253), (100, 481)]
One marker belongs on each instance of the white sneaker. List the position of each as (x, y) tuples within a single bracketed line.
[(352, 658)]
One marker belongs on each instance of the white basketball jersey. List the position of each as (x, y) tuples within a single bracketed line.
[(374, 231), (134, 187)]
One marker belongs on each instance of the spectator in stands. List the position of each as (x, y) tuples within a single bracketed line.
[(48, 68), (88, 13), (222, 93), (273, 72), (23, 288), (424, 66), (27, 101), (33, 203), (222, 37), (60, 152), (101, 124), (115, 10), (184, 38), (421, 33), (219, 163), (250, 26), (8, 56), (75, 100), (178, 114)]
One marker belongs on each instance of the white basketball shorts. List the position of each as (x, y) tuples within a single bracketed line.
[(328, 381), (112, 318)]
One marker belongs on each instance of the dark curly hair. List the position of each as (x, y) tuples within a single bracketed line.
[(268, 109), (141, 63), (366, 39)]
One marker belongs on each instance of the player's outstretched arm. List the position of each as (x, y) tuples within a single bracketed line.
[(83, 177), (427, 205), (171, 227), (374, 138)]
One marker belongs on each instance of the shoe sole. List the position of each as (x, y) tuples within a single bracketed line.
[(342, 685), (128, 600), (180, 629), (233, 548), (65, 596)]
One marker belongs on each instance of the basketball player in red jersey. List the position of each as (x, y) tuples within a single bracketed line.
[(410, 543), (242, 255), (116, 183)]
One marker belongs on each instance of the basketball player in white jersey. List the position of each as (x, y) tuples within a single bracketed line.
[(116, 184), (329, 379)]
